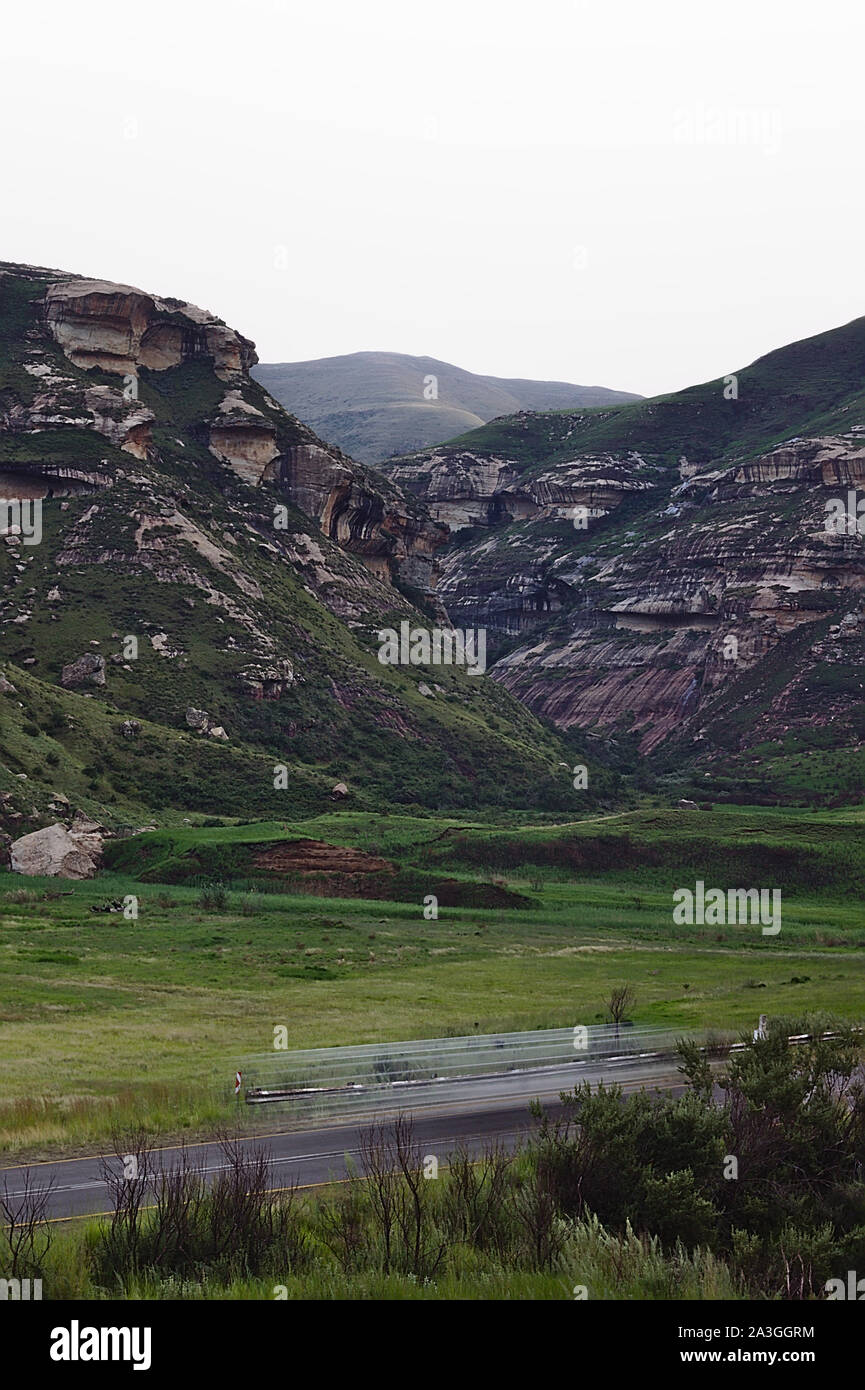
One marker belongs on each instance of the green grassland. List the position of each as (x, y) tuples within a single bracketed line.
[(106, 1020)]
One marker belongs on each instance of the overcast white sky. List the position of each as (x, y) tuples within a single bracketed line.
[(640, 194)]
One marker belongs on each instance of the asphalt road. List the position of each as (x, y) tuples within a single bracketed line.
[(312, 1157)]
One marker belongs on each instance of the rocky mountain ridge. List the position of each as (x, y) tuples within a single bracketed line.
[(669, 572), (203, 551), (118, 331)]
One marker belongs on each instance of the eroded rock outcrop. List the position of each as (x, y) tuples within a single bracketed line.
[(201, 722), (121, 329), (267, 682), (83, 325), (465, 489), (56, 852), (365, 514)]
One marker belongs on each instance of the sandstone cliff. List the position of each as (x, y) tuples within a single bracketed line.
[(123, 341), (200, 549), (668, 572)]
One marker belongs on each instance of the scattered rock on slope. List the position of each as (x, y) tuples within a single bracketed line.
[(88, 669)]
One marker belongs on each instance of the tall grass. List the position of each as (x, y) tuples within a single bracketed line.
[(33, 1124)]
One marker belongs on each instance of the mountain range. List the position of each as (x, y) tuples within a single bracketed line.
[(202, 608), (665, 596), (376, 404)]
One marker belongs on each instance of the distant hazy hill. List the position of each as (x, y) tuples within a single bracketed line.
[(372, 404)]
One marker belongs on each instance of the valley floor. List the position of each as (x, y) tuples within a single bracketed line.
[(107, 1022)]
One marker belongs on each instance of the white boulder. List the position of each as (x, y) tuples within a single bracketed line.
[(56, 852)]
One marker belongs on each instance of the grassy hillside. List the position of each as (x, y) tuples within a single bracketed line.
[(807, 388), (54, 741)]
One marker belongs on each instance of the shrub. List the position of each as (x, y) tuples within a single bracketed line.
[(213, 895)]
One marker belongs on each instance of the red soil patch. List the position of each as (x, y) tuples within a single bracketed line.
[(316, 857)]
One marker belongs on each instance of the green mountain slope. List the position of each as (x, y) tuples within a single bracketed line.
[(217, 567), (813, 387)]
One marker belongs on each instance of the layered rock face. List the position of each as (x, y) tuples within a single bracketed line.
[(663, 588), (116, 343), (204, 565), (700, 592), (465, 489), (512, 580), (705, 590)]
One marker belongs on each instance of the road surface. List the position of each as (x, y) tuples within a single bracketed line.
[(312, 1157)]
